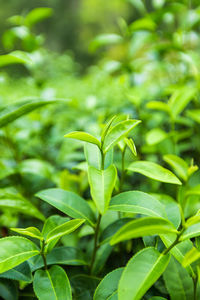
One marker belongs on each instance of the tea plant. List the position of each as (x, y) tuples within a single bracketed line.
[(109, 227)]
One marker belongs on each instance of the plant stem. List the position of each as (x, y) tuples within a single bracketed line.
[(173, 244), (122, 171), (43, 255), (195, 280), (95, 242)]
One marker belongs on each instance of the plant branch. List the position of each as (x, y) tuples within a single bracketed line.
[(95, 242)]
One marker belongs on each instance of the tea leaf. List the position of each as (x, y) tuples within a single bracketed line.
[(15, 250), (154, 171), (178, 164), (137, 202), (69, 203), (102, 183), (30, 231), (52, 284), (145, 267), (142, 227), (83, 136), (107, 288), (117, 132)]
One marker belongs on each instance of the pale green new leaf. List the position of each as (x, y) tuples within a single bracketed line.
[(141, 272), (52, 284), (139, 203), (15, 57), (154, 171), (130, 143), (142, 227), (158, 105), (117, 132), (15, 250), (37, 14), (107, 127), (108, 285), (64, 229), (191, 257), (179, 166), (155, 136), (83, 136), (29, 231), (102, 183), (191, 232), (69, 203)]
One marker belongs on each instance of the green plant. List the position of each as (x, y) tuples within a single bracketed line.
[(108, 225)]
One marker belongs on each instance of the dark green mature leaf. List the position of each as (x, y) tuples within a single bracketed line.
[(83, 136), (178, 281), (15, 111), (137, 202), (179, 166), (154, 171), (21, 272), (102, 183), (60, 255), (14, 251), (84, 286), (141, 227), (19, 204), (111, 229), (69, 203), (64, 229), (108, 285), (52, 284), (144, 268), (8, 290), (117, 132)]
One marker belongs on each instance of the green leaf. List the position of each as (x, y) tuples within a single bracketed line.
[(180, 98), (130, 143), (191, 232), (180, 250), (171, 208), (15, 111), (101, 257), (179, 166), (118, 132), (15, 57), (191, 257), (154, 171), (69, 203), (37, 15), (14, 251), (8, 290), (64, 229), (92, 155), (158, 105), (83, 136), (107, 127), (21, 272), (17, 203), (30, 231), (111, 229), (104, 40), (142, 227), (178, 281), (145, 267), (107, 288), (137, 202), (143, 24), (194, 114), (52, 284), (102, 183), (69, 256), (155, 136), (194, 191)]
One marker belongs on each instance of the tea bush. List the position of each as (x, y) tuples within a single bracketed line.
[(99, 179)]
